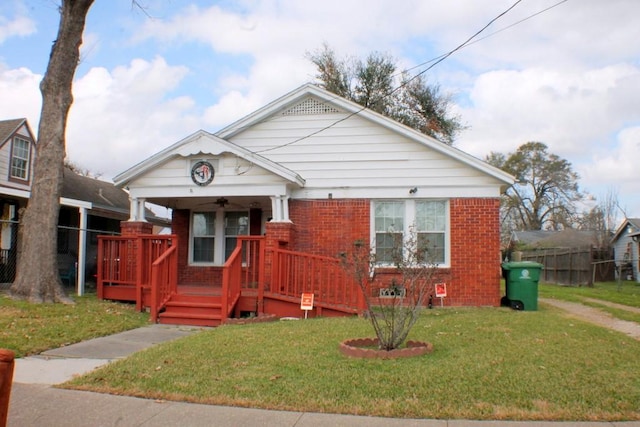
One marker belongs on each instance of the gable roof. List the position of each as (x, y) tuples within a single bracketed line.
[(206, 143), (9, 127), (353, 109), (568, 238), (633, 222)]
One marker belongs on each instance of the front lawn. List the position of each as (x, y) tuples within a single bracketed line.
[(488, 363), (625, 292), (32, 328)]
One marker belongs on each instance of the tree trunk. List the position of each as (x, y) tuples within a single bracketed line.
[(37, 278)]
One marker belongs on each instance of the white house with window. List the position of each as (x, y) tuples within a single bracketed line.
[(318, 172)]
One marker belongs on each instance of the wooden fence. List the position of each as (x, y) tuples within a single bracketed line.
[(573, 266)]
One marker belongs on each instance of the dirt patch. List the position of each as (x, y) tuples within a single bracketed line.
[(597, 317)]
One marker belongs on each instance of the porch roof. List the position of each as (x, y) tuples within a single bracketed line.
[(202, 142)]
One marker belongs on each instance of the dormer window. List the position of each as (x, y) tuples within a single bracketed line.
[(20, 159)]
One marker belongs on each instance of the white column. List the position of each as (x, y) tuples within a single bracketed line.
[(280, 208), (285, 208), (276, 209), (82, 251), (133, 209), (141, 214)]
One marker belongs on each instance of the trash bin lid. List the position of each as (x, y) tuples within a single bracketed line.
[(521, 264)]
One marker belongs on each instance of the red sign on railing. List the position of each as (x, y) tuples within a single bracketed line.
[(306, 302)]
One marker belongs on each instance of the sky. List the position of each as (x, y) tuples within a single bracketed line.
[(562, 72)]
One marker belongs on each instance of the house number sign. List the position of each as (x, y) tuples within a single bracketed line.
[(202, 173)]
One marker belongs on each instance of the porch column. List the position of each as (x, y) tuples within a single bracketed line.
[(82, 251), (280, 208), (136, 209)]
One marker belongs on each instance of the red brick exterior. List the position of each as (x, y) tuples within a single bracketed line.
[(132, 228), (330, 227), (475, 252)]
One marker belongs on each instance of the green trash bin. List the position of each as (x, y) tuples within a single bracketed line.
[(521, 284)]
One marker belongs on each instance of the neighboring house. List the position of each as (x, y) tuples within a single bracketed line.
[(316, 173), (88, 207), (626, 251)]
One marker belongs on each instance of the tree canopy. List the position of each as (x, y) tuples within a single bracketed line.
[(544, 196), (375, 83)]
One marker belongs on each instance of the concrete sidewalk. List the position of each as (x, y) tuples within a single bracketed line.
[(35, 403)]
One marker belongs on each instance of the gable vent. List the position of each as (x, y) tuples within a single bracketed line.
[(310, 106)]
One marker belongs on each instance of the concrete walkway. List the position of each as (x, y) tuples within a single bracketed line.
[(34, 402)]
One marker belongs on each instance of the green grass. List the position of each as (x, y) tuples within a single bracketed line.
[(488, 363), (32, 328), (628, 293)]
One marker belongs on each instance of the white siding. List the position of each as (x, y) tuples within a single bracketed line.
[(174, 176), (356, 153)]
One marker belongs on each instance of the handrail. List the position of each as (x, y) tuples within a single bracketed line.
[(244, 269), (231, 275), (127, 261), (295, 273), (164, 280)]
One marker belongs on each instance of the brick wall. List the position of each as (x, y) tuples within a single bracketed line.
[(475, 252), (330, 227)]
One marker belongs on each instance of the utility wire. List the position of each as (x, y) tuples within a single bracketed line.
[(437, 60), (442, 57)]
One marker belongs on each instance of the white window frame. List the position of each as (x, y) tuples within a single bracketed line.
[(219, 238), (410, 221), (27, 159), (192, 237)]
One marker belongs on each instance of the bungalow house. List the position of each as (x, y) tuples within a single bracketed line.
[(88, 207), (626, 249), (301, 180)]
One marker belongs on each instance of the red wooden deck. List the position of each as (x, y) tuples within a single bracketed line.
[(143, 269)]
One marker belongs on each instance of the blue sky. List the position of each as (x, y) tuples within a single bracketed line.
[(568, 76)]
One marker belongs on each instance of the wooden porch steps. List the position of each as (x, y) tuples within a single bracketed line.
[(193, 310)]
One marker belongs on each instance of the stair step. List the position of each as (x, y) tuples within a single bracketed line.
[(187, 318), (196, 298), (189, 304)]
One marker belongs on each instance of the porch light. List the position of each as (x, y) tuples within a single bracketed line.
[(222, 202)]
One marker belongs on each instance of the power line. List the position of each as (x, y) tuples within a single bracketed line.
[(489, 35), (437, 60)]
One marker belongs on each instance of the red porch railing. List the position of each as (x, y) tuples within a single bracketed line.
[(244, 269), (126, 262), (296, 272), (164, 280)]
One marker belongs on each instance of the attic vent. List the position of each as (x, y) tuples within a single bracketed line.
[(310, 106)]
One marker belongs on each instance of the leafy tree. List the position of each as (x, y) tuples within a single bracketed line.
[(37, 277), (371, 82), (544, 196)]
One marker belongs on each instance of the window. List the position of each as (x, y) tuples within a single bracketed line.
[(20, 159), (389, 228), (214, 235), (235, 224), (394, 220), (430, 227), (204, 231)]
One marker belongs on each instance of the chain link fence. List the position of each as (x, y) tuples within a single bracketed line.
[(67, 254)]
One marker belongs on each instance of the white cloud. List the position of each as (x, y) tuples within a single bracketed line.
[(17, 26), (21, 88), (121, 117)]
